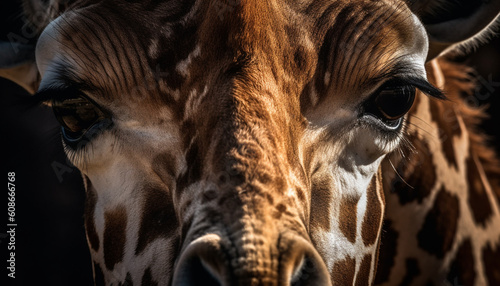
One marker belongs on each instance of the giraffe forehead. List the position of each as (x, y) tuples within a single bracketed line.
[(122, 58)]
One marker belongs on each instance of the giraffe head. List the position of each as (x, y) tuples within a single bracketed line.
[(233, 142)]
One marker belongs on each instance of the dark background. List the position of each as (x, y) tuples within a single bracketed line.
[(51, 248), (486, 61), (50, 240)]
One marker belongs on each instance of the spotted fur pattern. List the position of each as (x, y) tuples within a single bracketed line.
[(443, 211)]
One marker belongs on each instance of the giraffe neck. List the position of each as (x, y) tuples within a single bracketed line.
[(443, 201), (349, 240)]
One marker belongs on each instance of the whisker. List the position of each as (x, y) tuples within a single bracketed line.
[(421, 120), (400, 177)]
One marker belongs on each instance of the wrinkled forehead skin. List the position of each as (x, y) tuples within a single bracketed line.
[(230, 42), (238, 118)]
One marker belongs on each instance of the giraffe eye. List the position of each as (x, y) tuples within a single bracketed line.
[(390, 103), (394, 102), (77, 115)]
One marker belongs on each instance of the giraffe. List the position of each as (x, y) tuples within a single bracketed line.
[(251, 142)]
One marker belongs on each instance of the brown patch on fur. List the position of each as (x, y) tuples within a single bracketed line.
[(347, 218), (377, 256), (387, 252), (449, 128), (279, 211), (478, 198), (147, 279), (343, 272), (440, 225), (412, 271), (418, 171), (158, 218), (462, 270), (320, 203), (373, 214), (91, 200), (115, 225), (363, 277), (490, 261)]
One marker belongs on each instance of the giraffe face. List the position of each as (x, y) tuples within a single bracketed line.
[(233, 147)]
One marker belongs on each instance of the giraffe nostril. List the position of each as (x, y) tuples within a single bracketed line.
[(196, 272), (300, 273), (305, 274), (302, 265), (201, 264)]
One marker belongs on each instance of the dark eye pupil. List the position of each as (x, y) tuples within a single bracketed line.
[(395, 102), (76, 115)]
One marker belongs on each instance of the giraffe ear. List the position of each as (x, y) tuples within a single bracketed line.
[(17, 47), (452, 23), (17, 63)]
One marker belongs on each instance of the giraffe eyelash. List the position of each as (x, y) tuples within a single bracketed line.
[(425, 87)]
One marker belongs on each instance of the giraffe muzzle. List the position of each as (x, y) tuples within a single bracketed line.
[(207, 261)]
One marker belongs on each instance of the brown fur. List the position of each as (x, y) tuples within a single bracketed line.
[(348, 219), (374, 212), (344, 270), (363, 278), (114, 236)]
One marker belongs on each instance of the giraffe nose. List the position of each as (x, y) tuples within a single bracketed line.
[(204, 263), (201, 263)]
